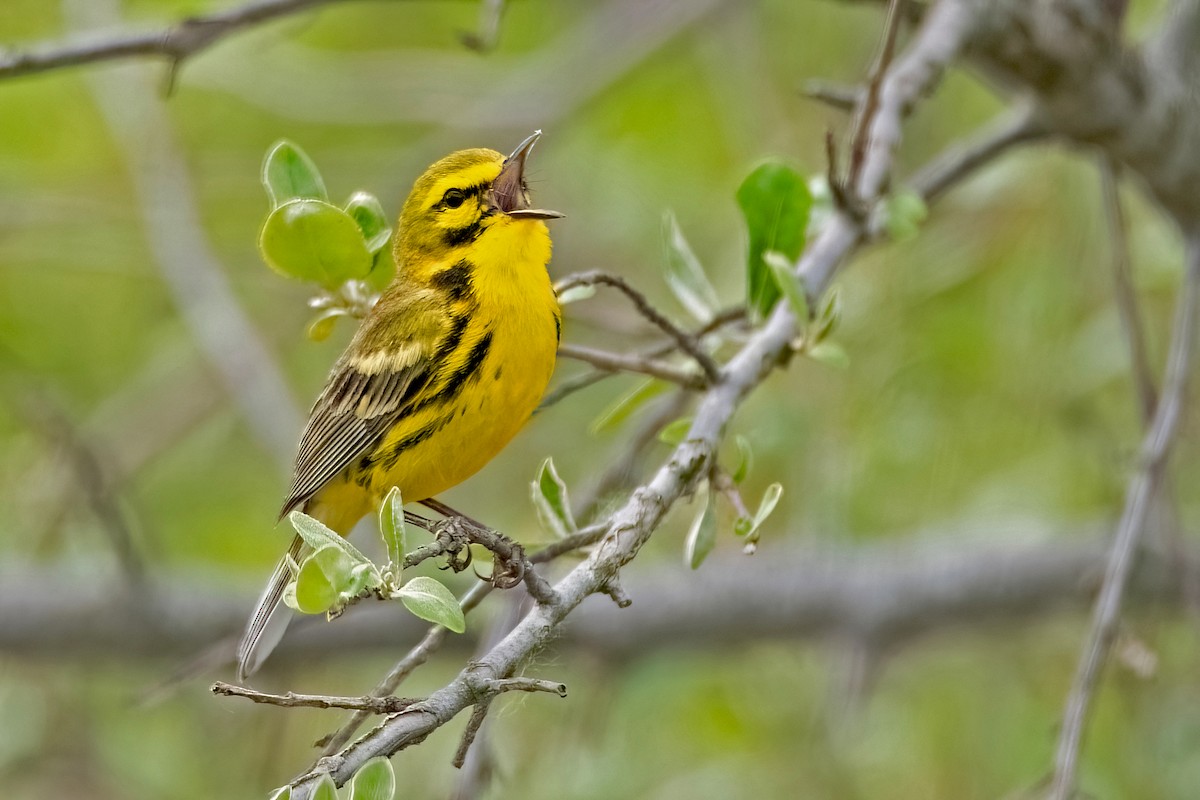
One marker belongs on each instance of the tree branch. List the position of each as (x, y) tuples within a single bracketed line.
[(1143, 488), (174, 44), (372, 705), (630, 526), (622, 362)]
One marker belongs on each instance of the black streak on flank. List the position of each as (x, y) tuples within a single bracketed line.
[(457, 237), (453, 339), (557, 328), (468, 371), (455, 281)]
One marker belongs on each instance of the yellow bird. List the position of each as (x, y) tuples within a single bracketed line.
[(443, 372)]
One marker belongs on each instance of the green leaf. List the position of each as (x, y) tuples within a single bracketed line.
[(748, 527), (314, 241), (612, 417), (788, 282), (675, 432), (288, 173), (830, 353), (326, 790), (323, 576), (702, 536), (433, 602), (775, 201), (322, 325), (903, 214), (392, 528), (383, 269), (830, 315), (685, 274), (365, 209), (575, 294), (745, 458), (282, 793), (551, 500), (316, 535), (374, 781)]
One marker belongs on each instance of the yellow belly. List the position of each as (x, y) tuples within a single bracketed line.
[(461, 436)]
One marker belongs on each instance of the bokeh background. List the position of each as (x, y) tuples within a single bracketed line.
[(154, 374)]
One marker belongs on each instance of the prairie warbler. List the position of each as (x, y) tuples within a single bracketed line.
[(443, 371)]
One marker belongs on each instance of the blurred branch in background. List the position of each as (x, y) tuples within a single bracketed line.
[(887, 594), (178, 241), (173, 44)]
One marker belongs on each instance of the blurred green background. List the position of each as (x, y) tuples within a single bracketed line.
[(988, 390)]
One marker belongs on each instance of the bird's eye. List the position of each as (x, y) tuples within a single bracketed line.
[(453, 198)]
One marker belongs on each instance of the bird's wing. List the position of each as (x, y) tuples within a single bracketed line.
[(395, 354)]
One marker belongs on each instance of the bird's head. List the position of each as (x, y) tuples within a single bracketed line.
[(465, 196)]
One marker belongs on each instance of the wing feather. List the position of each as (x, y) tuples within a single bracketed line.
[(375, 384)]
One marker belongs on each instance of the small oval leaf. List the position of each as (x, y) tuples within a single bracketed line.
[(745, 458), (789, 283), (314, 241), (685, 275), (392, 528), (376, 780), (366, 210), (317, 535), (775, 202), (551, 500), (326, 789), (323, 324), (433, 602), (575, 294), (317, 584), (830, 353), (702, 536), (282, 793), (625, 405), (675, 432), (288, 173)]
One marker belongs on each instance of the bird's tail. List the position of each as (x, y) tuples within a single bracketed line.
[(270, 618)]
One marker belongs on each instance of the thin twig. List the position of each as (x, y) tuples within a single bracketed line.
[(579, 382), (1143, 487), (869, 107), (1126, 296), (365, 703), (478, 715), (685, 341), (414, 658), (175, 44), (834, 95), (488, 32), (619, 362), (937, 177)]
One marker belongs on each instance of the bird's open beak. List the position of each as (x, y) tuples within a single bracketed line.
[(508, 190)]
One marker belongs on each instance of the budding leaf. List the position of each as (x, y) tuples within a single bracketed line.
[(288, 173), (433, 602), (326, 790), (830, 315), (365, 209), (789, 283), (322, 576), (376, 780), (551, 500), (685, 275), (391, 526), (316, 535), (903, 214), (745, 458), (748, 527), (626, 404), (675, 432), (314, 241), (702, 536), (575, 294), (322, 325), (775, 201), (830, 353), (282, 793)]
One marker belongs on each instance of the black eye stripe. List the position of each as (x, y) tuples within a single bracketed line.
[(449, 199)]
